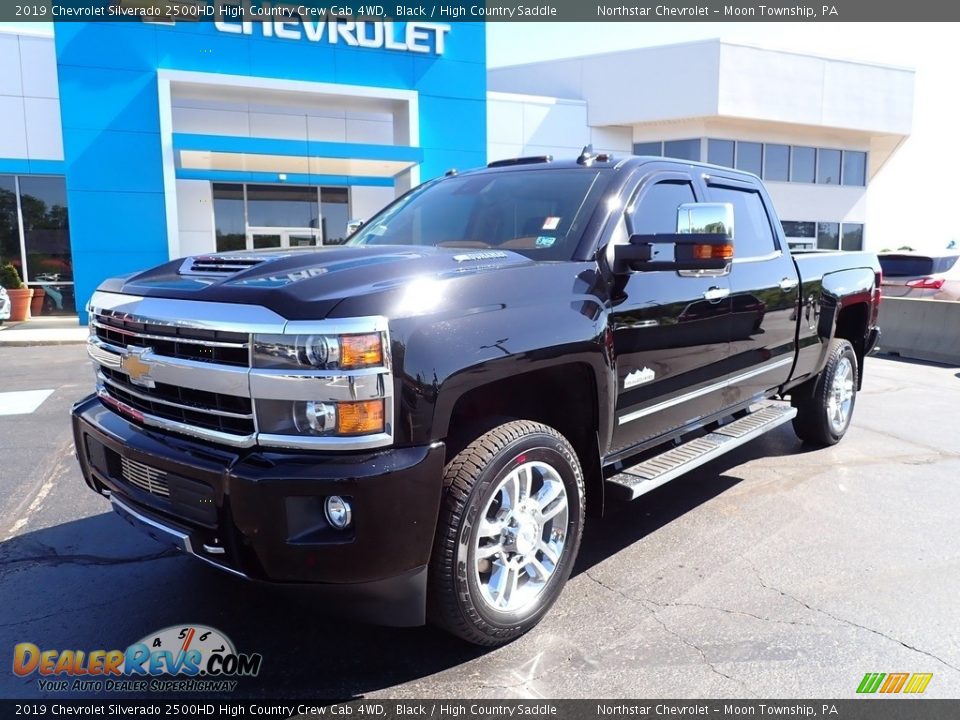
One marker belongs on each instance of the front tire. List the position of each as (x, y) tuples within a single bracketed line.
[(825, 404), (508, 533)]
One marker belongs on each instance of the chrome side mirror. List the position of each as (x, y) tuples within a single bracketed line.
[(353, 226)]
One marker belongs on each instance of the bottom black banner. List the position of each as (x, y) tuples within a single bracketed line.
[(876, 708)]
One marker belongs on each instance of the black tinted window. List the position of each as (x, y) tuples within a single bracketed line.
[(828, 236), (803, 163), (776, 162), (682, 149), (656, 213), (752, 235), (799, 229), (750, 157), (720, 152), (828, 167), (854, 168), (851, 236), (648, 148)]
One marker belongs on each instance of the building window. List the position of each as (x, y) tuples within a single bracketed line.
[(648, 148), (229, 216), (750, 157), (776, 162), (259, 217), (9, 223), (799, 229), (828, 236), (851, 236), (854, 168), (282, 206), (720, 152), (682, 149), (828, 167), (335, 211), (803, 164), (35, 237)]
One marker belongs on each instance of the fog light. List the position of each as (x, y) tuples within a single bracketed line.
[(339, 513)]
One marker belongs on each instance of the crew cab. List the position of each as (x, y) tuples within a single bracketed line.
[(419, 421)]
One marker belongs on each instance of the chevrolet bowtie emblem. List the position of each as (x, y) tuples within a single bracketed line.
[(133, 365)]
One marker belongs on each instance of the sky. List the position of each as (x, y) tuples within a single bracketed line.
[(920, 177)]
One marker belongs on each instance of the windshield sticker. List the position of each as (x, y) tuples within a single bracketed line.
[(551, 223), (545, 241)]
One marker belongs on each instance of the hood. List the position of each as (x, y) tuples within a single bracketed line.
[(310, 283)]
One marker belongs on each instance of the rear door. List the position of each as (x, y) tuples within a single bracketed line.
[(764, 292), (670, 331)]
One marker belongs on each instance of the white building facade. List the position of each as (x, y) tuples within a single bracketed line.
[(817, 130)]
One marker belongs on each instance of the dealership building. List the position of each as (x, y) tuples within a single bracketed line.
[(123, 145)]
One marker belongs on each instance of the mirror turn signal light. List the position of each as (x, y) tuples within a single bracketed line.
[(360, 418), (712, 252), (360, 351)]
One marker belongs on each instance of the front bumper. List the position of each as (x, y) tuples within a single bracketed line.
[(259, 513)]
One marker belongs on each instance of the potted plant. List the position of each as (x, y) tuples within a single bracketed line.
[(20, 295)]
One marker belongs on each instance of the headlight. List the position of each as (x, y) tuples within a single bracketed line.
[(316, 418), (322, 352)]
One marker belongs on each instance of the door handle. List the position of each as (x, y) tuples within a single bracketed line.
[(715, 294), (788, 284)]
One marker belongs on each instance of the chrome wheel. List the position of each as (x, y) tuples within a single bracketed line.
[(521, 536), (840, 398)]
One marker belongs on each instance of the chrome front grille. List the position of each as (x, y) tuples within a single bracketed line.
[(200, 408), (214, 346), (184, 366), (144, 477)]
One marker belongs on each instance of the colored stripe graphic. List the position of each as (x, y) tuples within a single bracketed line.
[(894, 683), (870, 682), (918, 683)]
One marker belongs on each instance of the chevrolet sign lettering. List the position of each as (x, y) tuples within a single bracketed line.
[(414, 37), (133, 365)]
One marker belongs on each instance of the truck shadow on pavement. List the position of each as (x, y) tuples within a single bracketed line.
[(95, 583)]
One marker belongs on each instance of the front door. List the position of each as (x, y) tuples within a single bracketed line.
[(764, 296), (670, 330)]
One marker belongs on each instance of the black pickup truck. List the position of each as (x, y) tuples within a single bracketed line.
[(419, 421)]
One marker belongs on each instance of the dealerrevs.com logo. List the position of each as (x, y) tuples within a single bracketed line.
[(182, 658)]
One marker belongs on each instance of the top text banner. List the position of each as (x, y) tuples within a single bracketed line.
[(286, 15)]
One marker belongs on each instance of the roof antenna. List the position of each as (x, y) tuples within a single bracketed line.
[(586, 155), (450, 173)]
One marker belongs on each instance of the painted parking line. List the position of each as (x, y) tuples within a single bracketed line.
[(22, 402)]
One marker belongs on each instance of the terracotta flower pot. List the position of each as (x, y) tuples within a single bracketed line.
[(36, 305), (20, 304)]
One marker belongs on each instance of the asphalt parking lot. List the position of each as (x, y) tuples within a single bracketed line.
[(775, 571)]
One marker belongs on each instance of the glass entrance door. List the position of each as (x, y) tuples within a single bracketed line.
[(260, 217), (266, 238)]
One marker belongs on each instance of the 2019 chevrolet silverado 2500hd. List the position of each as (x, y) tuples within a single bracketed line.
[(422, 418)]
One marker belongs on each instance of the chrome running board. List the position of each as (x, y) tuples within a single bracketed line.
[(630, 483)]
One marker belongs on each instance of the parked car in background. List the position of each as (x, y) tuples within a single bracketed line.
[(4, 304), (917, 275)]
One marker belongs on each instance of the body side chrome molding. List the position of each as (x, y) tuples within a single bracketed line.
[(643, 412)]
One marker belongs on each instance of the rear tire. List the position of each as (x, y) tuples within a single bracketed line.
[(825, 404), (508, 533)]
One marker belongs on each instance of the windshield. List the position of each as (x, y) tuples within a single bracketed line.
[(539, 213)]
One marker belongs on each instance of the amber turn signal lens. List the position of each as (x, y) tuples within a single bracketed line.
[(712, 252), (360, 351), (358, 418)]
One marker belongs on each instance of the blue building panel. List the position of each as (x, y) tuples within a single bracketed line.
[(111, 112)]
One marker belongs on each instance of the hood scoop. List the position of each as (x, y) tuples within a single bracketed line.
[(222, 264)]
